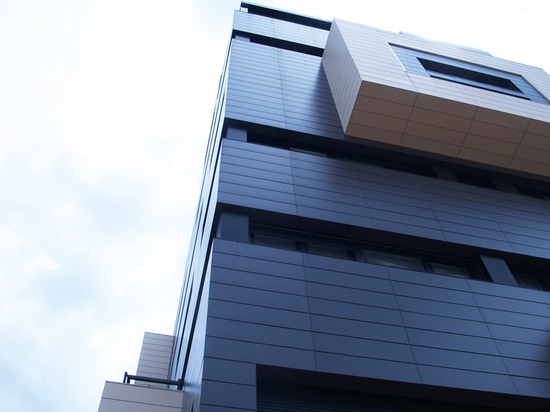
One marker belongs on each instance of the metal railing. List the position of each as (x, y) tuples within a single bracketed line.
[(128, 378)]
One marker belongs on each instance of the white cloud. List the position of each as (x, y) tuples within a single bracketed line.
[(105, 109), (39, 263)]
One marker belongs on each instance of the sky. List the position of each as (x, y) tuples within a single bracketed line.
[(105, 110)]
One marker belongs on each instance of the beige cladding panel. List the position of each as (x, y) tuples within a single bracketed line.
[(393, 106)]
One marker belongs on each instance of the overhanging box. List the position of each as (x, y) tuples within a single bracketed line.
[(440, 99)]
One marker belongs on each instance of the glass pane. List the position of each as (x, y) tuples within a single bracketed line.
[(530, 283), (450, 270), (393, 260), (274, 241), (327, 250)]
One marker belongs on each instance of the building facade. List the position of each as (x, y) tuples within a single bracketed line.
[(372, 231)]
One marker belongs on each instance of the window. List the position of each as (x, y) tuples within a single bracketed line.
[(371, 253), (531, 278), (448, 266), (470, 74)]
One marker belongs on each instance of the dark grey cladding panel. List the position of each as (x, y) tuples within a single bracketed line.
[(240, 350), (532, 386), (258, 314), (362, 348), (258, 333), (365, 196), (451, 341), (501, 317), (279, 29), (355, 281), (356, 296), (449, 310), (358, 329), (357, 311), (283, 308), (439, 323), (229, 371), (258, 297), (229, 395), (255, 279), (521, 350), (367, 367), (280, 88), (472, 361), (508, 304), (479, 381)]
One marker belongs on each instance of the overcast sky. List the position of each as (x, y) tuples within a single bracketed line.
[(105, 109)]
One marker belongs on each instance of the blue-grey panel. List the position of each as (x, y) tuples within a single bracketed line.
[(433, 293), (478, 381), (435, 322), (279, 29), (481, 242), (342, 206), (259, 353), (521, 333), (450, 310), (522, 350), (355, 281), (268, 175), (258, 297), (358, 329), (263, 79), (259, 181), (513, 305), (229, 371), (228, 394), (491, 289), (320, 193), (363, 348), (258, 314), (356, 311), (334, 216), (258, 280), (458, 360), (252, 265), (263, 334), (367, 367), (272, 205), (412, 220), (515, 319), (532, 386), (528, 368), (357, 296), (441, 340)]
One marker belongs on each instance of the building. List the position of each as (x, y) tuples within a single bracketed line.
[(372, 231)]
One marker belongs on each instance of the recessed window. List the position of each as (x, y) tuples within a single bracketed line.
[(466, 73), (531, 278), (393, 259)]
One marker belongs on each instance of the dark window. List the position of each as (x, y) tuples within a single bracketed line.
[(458, 71), (469, 77), (371, 253), (473, 179), (531, 278)]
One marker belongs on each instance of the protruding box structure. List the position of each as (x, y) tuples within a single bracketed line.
[(439, 99)]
